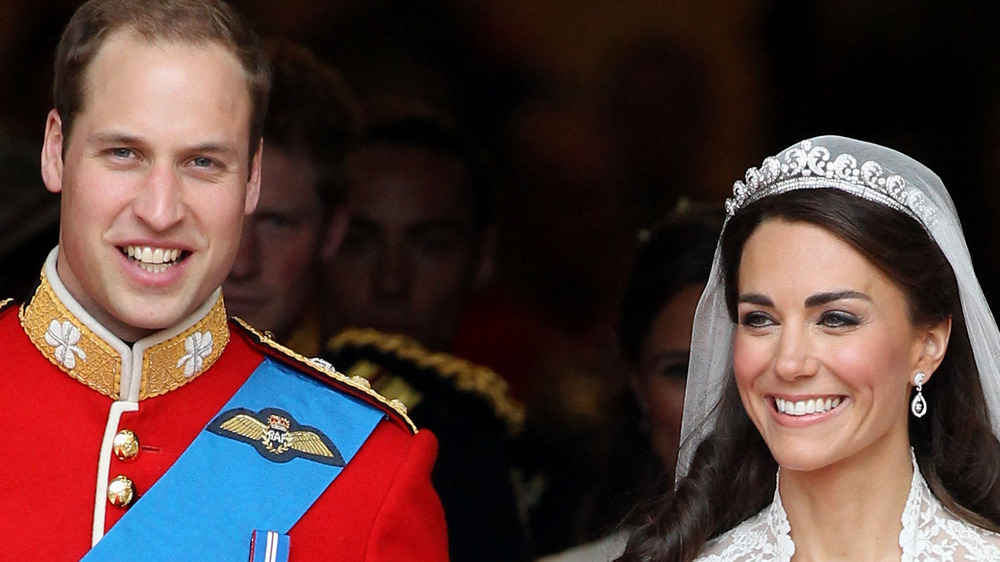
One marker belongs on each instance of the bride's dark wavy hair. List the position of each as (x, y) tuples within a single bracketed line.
[(732, 473)]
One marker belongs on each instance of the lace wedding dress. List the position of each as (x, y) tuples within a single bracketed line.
[(930, 533)]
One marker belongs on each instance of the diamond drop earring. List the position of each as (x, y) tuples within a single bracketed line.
[(919, 405)]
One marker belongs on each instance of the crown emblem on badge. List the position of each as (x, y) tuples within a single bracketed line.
[(276, 436), (806, 166), (278, 423)]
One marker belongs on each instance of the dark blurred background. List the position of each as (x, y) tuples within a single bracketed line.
[(600, 116)]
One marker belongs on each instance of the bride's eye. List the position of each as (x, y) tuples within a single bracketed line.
[(756, 319), (839, 319)]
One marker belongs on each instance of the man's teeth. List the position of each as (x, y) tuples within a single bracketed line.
[(803, 407), (153, 260)]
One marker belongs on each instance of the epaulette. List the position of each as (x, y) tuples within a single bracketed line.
[(324, 371), (464, 376)]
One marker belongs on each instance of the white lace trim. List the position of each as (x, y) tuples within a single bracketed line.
[(930, 533)]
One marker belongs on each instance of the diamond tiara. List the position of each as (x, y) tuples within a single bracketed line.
[(809, 167)]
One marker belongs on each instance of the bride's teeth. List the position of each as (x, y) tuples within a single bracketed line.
[(803, 407)]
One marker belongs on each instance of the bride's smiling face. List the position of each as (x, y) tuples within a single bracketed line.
[(825, 349)]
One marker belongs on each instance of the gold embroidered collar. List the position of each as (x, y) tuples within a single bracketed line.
[(82, 348)]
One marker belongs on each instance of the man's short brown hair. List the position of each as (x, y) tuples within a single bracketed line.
[(190, 21)]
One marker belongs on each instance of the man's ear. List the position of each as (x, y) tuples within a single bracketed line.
[(333, 235), (487, 256), (52, 153), (253, 182), (935, 344)]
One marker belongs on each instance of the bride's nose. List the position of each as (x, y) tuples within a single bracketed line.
[(793, 355)]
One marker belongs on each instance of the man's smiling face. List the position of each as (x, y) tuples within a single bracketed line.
[(155, 180)]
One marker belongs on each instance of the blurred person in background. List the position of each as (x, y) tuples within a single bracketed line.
[(419, 243), (672, 264), (311, 122), (420, 236)]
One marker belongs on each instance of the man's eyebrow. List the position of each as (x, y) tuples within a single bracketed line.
[(824, 298), (115, 138), (451, 225), (213, 148)]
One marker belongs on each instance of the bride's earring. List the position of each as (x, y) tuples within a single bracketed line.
[(919, 405)]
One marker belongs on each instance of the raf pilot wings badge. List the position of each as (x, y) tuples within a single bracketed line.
[(276, 435)]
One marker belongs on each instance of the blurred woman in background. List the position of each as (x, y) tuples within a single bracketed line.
[(671, 267)]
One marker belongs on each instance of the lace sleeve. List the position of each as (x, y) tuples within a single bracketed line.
[(945, 537), (931, 533)]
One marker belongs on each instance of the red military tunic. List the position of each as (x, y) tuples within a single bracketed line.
[(67, 387)]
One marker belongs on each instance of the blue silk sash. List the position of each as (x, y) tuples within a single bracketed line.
[(221, 489)]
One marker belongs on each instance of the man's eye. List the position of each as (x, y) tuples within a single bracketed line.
[(122, 153), (202, 162), (276, 221)]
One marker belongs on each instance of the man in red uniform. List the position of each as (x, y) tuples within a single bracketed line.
[(160, 429)]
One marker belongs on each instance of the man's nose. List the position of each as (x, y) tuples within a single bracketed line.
[(160, 202), (391, 273)]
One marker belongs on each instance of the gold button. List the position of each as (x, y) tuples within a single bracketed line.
[(125, 445), (121, 491), (361, 381)]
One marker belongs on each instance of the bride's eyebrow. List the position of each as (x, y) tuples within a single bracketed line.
[(756, 298), (824, 298), (813, 300)]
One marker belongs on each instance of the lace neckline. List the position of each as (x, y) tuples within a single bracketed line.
[(929, 533), (778, 525)]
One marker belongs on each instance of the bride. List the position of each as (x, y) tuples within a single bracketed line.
[(843, 400)]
